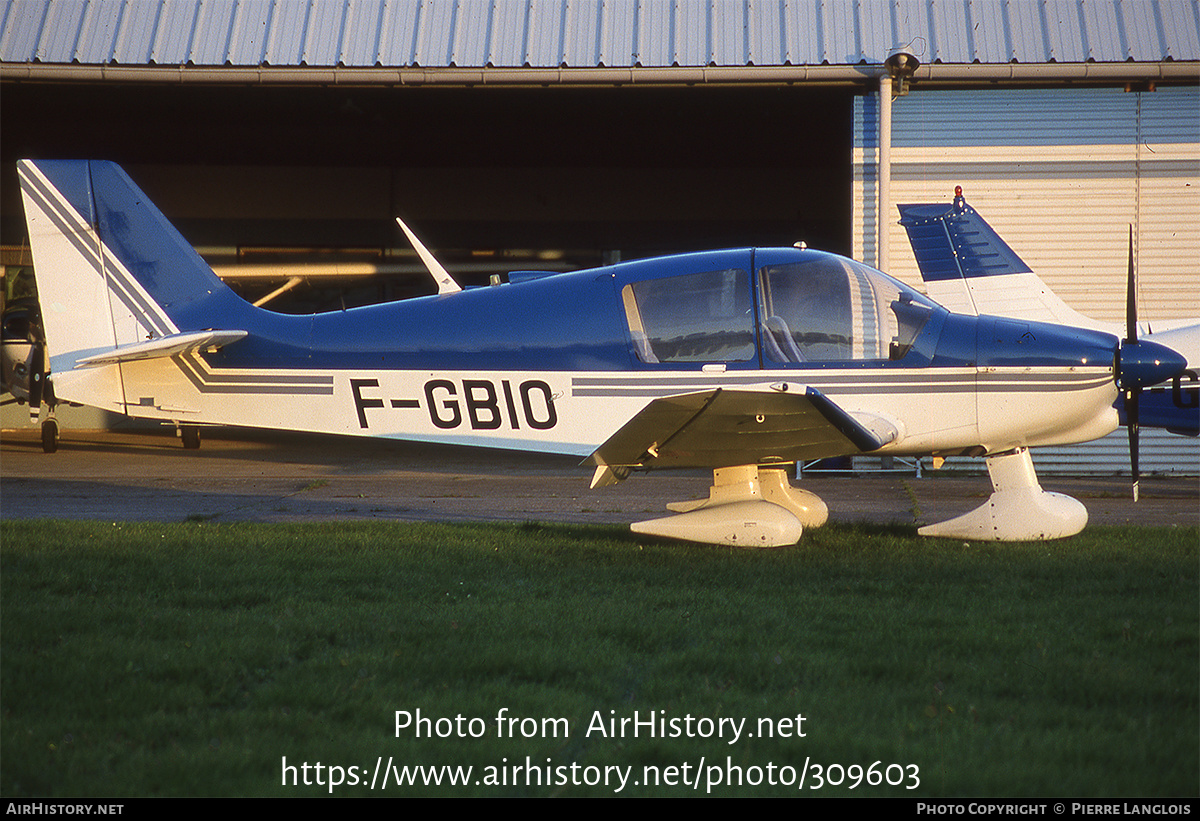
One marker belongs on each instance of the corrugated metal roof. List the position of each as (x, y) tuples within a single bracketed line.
[(594, 33)]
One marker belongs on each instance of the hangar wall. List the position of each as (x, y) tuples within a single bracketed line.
[(1059, 173)]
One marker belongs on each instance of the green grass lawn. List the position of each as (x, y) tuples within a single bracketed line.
[(192, 659)]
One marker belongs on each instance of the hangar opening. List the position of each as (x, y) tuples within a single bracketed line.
[(275, 183)]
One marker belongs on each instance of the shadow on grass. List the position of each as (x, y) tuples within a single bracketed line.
[(621, 534)]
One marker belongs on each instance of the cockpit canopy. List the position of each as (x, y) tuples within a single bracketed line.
[(801, 307)]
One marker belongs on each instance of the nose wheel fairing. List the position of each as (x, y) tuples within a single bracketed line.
[(1018, 509)]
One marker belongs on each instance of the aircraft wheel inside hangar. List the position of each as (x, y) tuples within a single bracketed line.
[(49, 436), (190, 434)]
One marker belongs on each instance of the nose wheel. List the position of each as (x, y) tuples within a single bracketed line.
[(1018, 509)]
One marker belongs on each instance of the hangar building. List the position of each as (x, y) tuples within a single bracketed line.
[(281, 136)]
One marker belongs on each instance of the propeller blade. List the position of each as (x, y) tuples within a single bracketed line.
[(1131, 415), (1131, 296), (37, 376), (1132, 395)]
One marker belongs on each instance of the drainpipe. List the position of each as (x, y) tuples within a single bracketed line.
[(884, 174), (900, 67)]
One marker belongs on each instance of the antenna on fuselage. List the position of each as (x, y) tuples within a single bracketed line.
[(445, 282)]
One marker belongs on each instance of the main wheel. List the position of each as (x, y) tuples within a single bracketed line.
[(190, 434), (49, 436)]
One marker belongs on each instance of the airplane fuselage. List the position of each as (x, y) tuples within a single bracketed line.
[(552, 365)]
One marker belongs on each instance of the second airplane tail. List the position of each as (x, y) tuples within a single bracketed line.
[(968, 268)]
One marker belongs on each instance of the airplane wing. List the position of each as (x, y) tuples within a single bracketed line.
[(722, 427), (168, 345)]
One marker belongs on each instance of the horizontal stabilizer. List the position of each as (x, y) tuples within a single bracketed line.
[(163, 346), (780, 423)]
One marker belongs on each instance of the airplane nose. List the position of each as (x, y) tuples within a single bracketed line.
[(1140, 364)]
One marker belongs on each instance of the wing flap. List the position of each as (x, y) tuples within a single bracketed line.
[(725, 427), (169, 345)]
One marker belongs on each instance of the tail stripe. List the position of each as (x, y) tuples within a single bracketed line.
[(208, 381), (74, 227)]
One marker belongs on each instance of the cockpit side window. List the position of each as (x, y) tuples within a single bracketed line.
[(703, 317), (833, 309)]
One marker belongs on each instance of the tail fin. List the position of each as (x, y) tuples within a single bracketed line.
[(957, 243), (116, 281), (968, 268)]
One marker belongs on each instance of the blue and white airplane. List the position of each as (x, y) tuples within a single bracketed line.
[(742, 361)]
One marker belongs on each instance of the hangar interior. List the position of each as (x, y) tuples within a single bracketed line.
[(268, 183)]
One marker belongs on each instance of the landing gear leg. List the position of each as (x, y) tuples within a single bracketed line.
[(1018, 509), (807, 506), (44, 394), (747, 506)]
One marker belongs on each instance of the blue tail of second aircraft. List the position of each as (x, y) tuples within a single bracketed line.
[(969, 269), (957, 243)]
